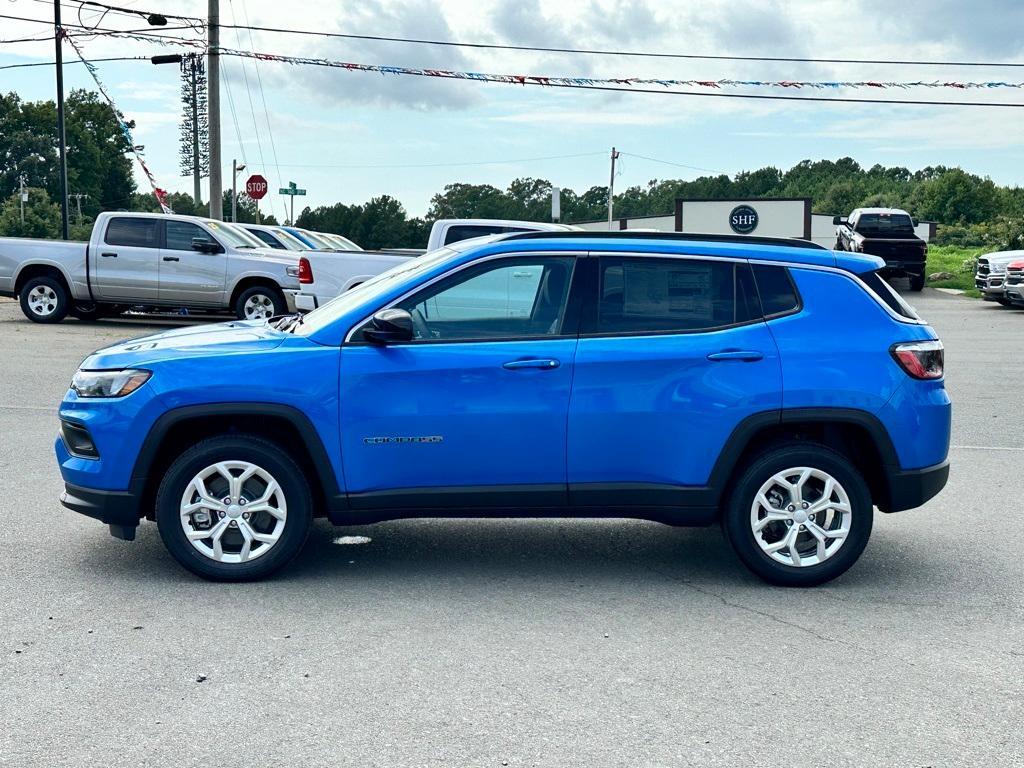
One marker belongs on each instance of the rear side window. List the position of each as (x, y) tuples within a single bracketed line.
[(135, 232), (884, 293), (776, 289), (664, 295)]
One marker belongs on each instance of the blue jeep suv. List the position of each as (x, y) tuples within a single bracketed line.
[(776, 387)]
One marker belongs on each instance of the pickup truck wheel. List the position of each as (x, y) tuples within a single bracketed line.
[(917, 283), (800, 515), (234, 508), (260, 303), (44, 300)]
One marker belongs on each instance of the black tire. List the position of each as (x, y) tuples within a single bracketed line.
[(916, 283), (272, 297), (736, 520), (1005, 302), (55, 310), (255, 450)]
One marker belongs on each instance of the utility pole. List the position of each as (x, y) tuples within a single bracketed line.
[(611, 189), (192, 64), (213, 100), (236, 168), (58, 34), (78, 197), (22, 196)]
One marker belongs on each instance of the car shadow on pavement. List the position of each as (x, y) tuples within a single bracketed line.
[(491, 552)]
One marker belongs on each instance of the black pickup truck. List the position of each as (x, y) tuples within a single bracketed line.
[(889, 234)]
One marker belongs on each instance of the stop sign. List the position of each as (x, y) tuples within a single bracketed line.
[(256, 187)]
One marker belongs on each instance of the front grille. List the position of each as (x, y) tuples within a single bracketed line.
[(983, 268), (1014, 276)]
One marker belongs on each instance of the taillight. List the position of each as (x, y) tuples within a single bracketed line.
[(920, 359), (305, 271)]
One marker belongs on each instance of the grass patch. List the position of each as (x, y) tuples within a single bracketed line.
[(957, 260)]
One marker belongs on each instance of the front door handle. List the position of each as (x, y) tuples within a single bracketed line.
[(547, 364), (109, 255), (745, 355), (171, 258)]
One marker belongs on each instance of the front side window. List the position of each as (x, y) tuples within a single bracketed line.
[(133, 232), (644, 295), (181, 233), (501, 299)]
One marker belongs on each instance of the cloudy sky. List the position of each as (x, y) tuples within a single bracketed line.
[(349, 136)]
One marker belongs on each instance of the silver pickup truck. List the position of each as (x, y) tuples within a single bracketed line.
[(150, 260)]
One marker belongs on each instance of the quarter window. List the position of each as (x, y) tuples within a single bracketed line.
[(778, 294), (180, 234), (506, 299), (133, 232), (653, 294)]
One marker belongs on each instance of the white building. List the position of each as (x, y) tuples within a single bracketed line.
[(755, 217)]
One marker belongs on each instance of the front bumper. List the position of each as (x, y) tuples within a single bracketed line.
[(118, 509), (991, 287), (912, 488), (1015, 293)]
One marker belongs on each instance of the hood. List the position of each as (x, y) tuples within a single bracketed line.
[(1002, 258), (219, 339)]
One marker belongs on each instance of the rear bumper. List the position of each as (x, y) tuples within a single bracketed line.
[(912, 488), (306, 302), (902, 267), (289, 299), (118, 509)]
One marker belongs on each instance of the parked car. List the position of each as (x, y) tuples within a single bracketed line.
[(151, 260), (645, 380), (1013, 286), (324, 275), (275, 237), (991, 272), (889, 234), (447, 231), (318, 241)]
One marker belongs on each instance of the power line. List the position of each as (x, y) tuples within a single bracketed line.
[(669, 162), (584, 51), (248, 92), (263, 97), (91, 61), (443, 165)]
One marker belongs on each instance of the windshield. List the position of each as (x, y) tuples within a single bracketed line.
[(366, 292), (885, 224), (341, 242), (318, 240), (234, 236), (289, 241)]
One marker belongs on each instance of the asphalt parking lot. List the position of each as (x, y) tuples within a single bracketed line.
[(520, 643)]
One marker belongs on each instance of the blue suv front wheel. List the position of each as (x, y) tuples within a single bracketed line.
[(234, 508), (800, 514)]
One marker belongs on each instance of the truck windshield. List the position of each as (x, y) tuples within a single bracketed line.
[(885, 225), (289, 240), (367, 292), (233, 236)]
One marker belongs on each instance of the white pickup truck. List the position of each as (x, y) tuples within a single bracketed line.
[(150, 260), (326, 275)]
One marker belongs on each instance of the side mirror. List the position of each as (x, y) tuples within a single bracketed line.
[(204, 245), (839, 220), (390, 326)]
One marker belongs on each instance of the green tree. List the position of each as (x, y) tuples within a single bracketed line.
[(42, 217)]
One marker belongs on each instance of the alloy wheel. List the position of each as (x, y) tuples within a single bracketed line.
[(259, 306), (42, 300), (801, 516), (233, 512)]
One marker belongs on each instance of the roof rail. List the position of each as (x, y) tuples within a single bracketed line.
[(682, 236)]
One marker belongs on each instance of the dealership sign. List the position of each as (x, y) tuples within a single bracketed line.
[(743, 219)]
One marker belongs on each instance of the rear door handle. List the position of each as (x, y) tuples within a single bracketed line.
[(171, 258), (547, 364), (747, 356), (109, 255)]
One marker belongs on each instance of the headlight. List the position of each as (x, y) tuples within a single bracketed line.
[(108, 383)]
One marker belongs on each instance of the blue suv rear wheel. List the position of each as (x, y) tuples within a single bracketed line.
[(800, 515)]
